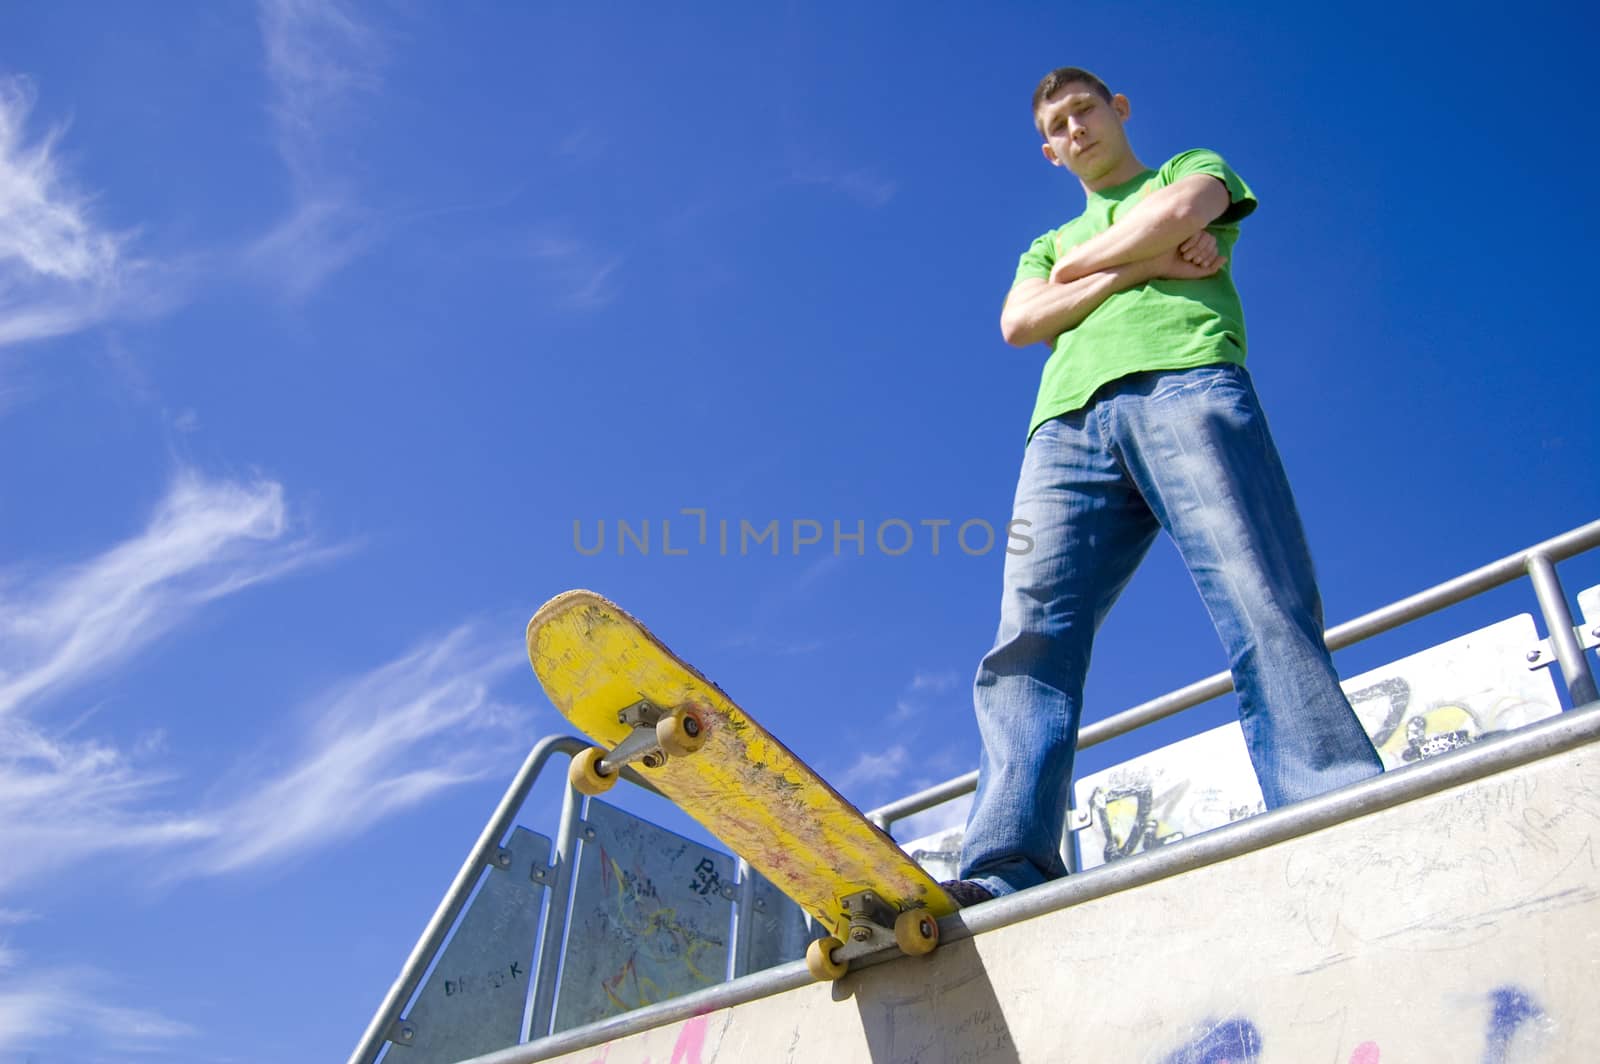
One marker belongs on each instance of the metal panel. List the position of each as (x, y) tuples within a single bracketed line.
[(779, 930), (1454, 693), (1589, 606), (649, 918), (473, 1002), (1192, 785)]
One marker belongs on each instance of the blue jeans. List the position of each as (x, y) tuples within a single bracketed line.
[(1187, 451)]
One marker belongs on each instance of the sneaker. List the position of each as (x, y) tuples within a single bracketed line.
[(965, 892)]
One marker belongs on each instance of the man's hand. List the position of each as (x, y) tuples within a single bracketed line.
[(1200, 249), (1176, 265)]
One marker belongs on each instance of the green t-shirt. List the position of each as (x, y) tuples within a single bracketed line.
[(1164, 324)]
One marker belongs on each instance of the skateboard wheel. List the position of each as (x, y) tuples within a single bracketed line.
[(916, 932), (584, 773), (681, 732), (819, 960)]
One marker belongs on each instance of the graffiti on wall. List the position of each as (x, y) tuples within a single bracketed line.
[(1230, 1041), (651, 922), (656, 937), (1455, 693), (1180, 790), (1417, 707), (687, 1048), (1516, 1031)]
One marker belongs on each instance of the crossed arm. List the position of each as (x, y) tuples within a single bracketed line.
[(1163, 236)]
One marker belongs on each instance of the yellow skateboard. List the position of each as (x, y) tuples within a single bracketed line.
[(617, 683)]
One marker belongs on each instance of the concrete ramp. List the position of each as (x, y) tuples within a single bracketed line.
[(1458, 925)]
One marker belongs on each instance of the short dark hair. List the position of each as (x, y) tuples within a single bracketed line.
[(1060, 78)]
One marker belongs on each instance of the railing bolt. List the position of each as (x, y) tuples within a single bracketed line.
[(1533, 655)]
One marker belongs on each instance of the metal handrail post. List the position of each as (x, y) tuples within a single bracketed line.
[(1558, 621), (743, 921), (552, 939), (478, 859)]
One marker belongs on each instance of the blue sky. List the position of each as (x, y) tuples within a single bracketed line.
[(322, 324)]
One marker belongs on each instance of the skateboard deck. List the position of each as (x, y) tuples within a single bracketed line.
[(621, 686)]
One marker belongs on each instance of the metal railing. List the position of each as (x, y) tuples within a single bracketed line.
[(386, 1023), (1495, 754)]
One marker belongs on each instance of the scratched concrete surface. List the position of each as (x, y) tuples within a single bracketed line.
[(1460, 927)]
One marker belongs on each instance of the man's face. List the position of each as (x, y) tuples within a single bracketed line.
[(1083, 132)]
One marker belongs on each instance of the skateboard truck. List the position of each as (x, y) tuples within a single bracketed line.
[(873, 922), (656, 734)]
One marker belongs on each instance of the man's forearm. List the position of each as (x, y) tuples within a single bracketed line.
[(1041, 312), (1157, 224)]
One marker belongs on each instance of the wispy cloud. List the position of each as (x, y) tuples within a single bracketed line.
[(64, 797), (316, 240), (74, 1001), (776, 610), (206, 539), (377, 745), (880, 775), (574, 274), (943, 817), (587, 143), (59, 271), (863, 184), (754, 643), (936, 682), (371, 748), (63, 801), (321, 60), (927, 696), (874, 771), (924, 692)]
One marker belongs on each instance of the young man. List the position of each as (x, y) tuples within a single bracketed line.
[(1145, 420)]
